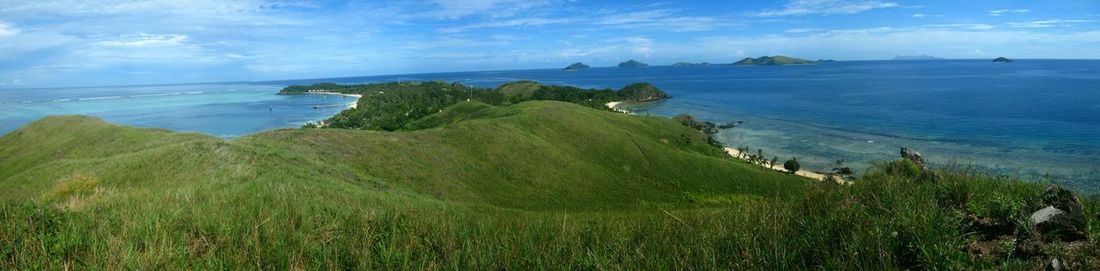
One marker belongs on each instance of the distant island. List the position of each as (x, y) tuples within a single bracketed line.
[(917, 57), (576, 66), (773, 60), (689, 64), (1003, 59), (632, 64)]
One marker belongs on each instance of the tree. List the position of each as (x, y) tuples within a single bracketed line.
[(775, 159), (792, 165)]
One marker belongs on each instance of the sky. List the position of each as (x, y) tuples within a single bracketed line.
[(47, 43)]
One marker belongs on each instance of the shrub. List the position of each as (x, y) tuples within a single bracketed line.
[(902, 167)]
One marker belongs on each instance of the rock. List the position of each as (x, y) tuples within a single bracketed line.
[(912, 155), (1056, 264), (1061, 218), (1045, 214)]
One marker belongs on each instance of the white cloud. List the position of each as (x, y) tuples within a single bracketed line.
[(803, 30), (999, 12), (825, 7), (456, 42), (454, 9), (7, 30), (523, 22), (886, 42), (660, 19), (146, 40), (624, 47), (1048, 23), (922, 15), (963, 26)]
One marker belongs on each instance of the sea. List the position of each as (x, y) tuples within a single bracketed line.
[(1034, 119)]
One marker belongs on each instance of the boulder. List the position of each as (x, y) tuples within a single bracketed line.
[(1056, 264), (925, 172), (912, 155), (1061, 218)]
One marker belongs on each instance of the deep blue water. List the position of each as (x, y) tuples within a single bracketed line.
[(1030, 118)]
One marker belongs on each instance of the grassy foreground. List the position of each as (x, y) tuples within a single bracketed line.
[(535, 185)]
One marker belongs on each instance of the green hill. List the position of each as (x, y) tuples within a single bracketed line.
[(625, 160), (531, 185), (773, 60), (521, 89)]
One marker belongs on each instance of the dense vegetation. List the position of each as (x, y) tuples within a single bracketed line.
[(393, 106), (531, 185)]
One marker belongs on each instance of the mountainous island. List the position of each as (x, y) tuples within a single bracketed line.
[(631, 64), (916, 57), (576, 66), (773, 60), (689, 64), (440, 175), (1003, 60)]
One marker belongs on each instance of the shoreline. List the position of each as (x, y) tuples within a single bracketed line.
[(353, 104), (615, 106), (737, 154), (779, 167)]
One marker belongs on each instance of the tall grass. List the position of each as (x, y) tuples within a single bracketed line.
[(519, 190)]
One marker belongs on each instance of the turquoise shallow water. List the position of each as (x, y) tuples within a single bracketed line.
[(225, 110), (1033, 118)]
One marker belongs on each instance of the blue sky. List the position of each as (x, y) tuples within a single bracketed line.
[(108, 42)]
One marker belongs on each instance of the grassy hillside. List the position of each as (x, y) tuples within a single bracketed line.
[(534, 185), (521, 89), (76, 189)]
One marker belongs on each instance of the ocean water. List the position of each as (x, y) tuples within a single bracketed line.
[(224, 110), (1037, 119)]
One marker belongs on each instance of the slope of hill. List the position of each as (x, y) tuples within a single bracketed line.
[(522, 89), (532, 185)]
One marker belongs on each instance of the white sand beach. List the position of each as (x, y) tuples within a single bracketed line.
[(353, 104), (779, 167), (615, 106)]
